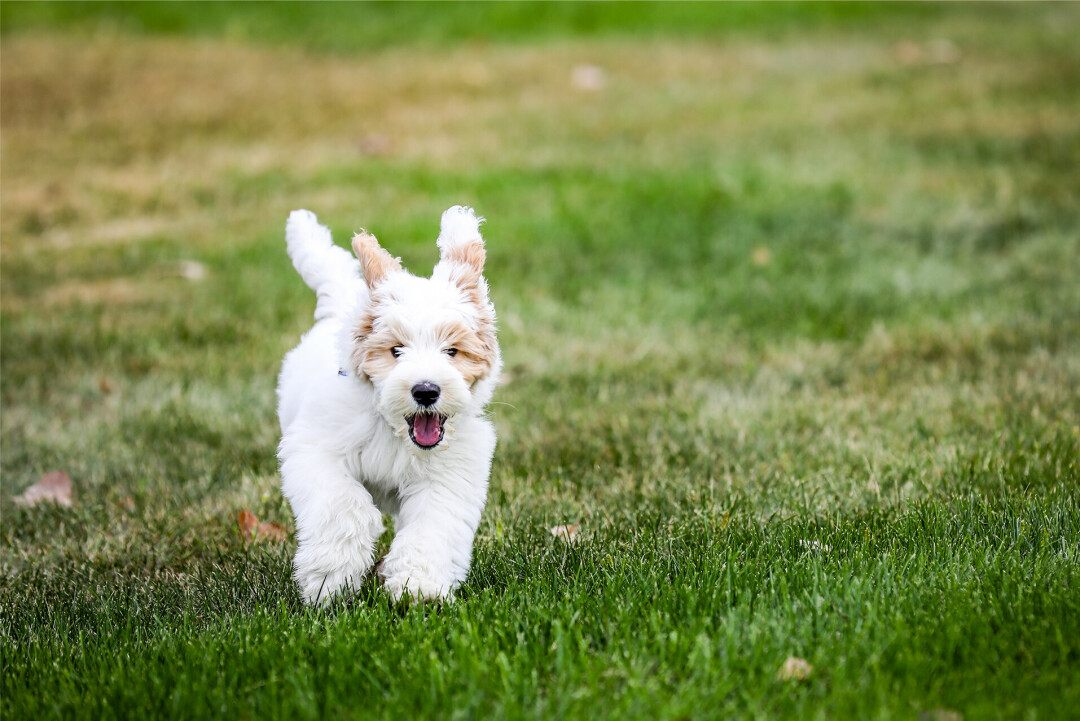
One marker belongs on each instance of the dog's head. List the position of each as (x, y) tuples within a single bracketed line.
[(427, 345)]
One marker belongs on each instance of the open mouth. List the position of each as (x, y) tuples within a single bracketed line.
[(426, 429)]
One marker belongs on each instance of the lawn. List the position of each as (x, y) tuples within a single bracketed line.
[(789, 302)]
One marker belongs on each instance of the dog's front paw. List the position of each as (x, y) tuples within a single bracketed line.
[(319, 587), (327, 568), (416, 583), (411, 590)]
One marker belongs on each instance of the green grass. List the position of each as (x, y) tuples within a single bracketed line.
[(691, 625), (359, 27), (791, 326)]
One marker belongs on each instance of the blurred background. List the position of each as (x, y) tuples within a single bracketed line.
[(737, 250)]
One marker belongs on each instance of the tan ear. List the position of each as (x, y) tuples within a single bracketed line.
[(375, 262), (468, 262)]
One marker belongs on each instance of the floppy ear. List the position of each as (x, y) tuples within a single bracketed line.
[(375, 262)]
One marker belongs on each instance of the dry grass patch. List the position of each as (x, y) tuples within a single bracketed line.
[(98, 131)]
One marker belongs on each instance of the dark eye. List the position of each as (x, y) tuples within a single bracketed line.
[(451, 352), (396, 351)]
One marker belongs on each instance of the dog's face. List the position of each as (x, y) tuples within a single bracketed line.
[(426, 345)]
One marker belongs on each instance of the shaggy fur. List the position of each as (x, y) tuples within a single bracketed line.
[(381, 408)]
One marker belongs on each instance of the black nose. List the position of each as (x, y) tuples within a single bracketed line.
[(425, 393)]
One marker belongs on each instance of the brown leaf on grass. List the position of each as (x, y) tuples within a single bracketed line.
[(248, 522), (252, 530), (567, 532), (794, 669), (761, 256), (272, 532), (54, 487)]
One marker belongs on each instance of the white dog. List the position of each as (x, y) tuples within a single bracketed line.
[(381, 409)]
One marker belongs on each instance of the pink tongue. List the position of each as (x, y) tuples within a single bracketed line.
[(426, 429)]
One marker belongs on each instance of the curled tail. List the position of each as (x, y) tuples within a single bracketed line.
[(328, 269)]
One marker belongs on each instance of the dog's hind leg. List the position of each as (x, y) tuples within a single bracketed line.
[(337, 524)]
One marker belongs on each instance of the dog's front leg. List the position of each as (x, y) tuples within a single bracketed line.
[(337, 523), (432, 547)]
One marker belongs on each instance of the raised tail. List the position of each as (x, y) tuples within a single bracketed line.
[(329, 270)]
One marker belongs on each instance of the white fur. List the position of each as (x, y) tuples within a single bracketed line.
[(346, 456)]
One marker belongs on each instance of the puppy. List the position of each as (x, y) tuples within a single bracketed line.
[(382, 411)]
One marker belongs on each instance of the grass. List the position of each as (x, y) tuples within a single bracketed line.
[(791, 322), (689, 626)]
